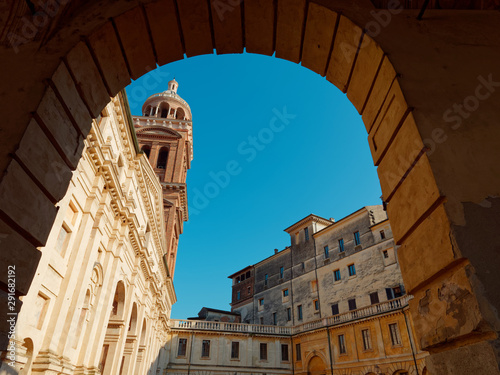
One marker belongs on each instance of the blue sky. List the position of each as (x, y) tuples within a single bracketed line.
[(273, 142)]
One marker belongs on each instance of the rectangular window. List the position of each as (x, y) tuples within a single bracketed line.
[(263, 351), (249, 291), (288, 314), (342, 348), (282, 271), (261, 302), (62, 240), (261, 320), (316, 305), (299, 312), (390, 293), (335, 309), (367, 345), (238, 295), (374, 298), (285, 292), (382, 235), (303, 266), (314, 285), (395, 338), (298, 353), (352, 304), (181, 352), (306, 233), (352, 269), (341, 245), (266, 277), (205, 349), (386, 254), (357, 240), (284, 352), (327, 252), (336, 275), (275, 319), (235, 350)]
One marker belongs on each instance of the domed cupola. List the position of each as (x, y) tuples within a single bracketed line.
[(167, 105)]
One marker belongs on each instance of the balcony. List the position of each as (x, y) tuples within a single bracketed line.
[(364, 312)]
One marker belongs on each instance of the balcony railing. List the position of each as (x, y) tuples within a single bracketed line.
[(229, 327), (348, 316), (363, 312)]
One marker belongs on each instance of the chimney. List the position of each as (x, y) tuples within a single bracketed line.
[(276, 251), (332, 219)]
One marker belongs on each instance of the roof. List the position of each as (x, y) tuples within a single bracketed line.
[(237, 272), (310, 217)]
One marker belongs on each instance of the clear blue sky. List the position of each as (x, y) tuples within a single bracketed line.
[(307, 153)]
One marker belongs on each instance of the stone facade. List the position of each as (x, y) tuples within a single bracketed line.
[(102, 294)]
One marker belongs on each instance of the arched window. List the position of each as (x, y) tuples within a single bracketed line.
[(118, 301), (133, 320), (163, 110), (180, 115), (147, 150), (162, 158), (147, 111)]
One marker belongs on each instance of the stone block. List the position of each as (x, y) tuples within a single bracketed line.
[(417, 193), (87, 78), (365, 69), (344, 53), (289, 29), (226, 19), (108, 53), (67, 90), (54, 117), (25, 204), (134, 35), (428, 250), (39, 155), (19, 253), (400, 156), (446, 309), (381, 87), (195, 23), (165, 31), (387, 122), (259, 26), (318, 38)]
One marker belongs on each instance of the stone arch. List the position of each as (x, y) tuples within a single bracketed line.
[(147, 111), (316, 366), (163, 110), (147, 150), (132, 326), (425, 181), (118, 305), (180, 114), (28, 347)]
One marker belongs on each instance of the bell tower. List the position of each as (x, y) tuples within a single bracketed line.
[(165, 135)]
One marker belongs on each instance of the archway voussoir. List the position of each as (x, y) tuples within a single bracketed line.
[(39, 156), (165, 32), (107, 51), (369, 58), (136, 42), (196, 28), (403, 152), (344, 53), (320, 31), (385, 78), (66, 91), (412, 201), (52, 118), (259, 26), (289, 29), (25, 204), (427, 251), (228, 32), (87, 79)]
